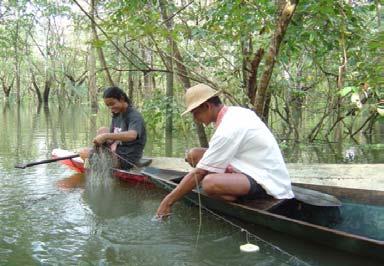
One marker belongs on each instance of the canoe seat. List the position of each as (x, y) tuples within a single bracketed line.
[(263, 204), (144, 162)]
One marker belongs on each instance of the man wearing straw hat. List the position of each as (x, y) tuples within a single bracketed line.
[(243, 161)]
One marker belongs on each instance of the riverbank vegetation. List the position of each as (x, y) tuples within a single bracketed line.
[(312, 70)]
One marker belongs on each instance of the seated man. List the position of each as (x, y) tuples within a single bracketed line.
[(243, 159)]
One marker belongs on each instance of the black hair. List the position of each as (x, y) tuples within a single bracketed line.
[(116, 93), (215, 100)]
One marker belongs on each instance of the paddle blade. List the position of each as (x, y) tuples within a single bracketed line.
[(315, 198), (21, 166)]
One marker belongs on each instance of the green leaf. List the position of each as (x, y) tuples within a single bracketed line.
[(347, 90), (98, 43)]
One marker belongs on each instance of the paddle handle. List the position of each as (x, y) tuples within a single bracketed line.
[(23, 166)]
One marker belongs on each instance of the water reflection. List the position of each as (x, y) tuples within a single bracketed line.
[(74, 181), (125, 233), (73, 127), (112, 201), (51, 216)]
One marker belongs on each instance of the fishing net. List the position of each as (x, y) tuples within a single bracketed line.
[(101, 163)]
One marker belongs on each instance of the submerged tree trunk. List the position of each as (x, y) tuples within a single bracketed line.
[(17, 74), (169, 114), (182, 74), (378, 12), (99, 49), (130, 85), (250, 68), (6, 87), (187, 84), (37, 89), (92, 80), (147, 58), (17, 60), (170, 81), (92, 67), (337, 126), (47, 89)]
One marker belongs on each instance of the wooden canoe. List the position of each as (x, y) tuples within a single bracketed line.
[(324, 225), (77, 164)]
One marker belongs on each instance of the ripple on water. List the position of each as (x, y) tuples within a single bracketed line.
[(113, 225), (4, 251), (139, 240), (10, 240)]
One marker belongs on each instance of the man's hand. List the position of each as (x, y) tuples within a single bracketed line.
[(189, 182), (100, 139), (164, 209)]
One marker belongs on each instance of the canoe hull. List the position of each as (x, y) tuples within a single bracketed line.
[(75, 165), (320, 234)]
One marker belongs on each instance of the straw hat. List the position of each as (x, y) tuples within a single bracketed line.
[(197, 95)]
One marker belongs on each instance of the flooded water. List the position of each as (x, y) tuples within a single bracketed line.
[(51, 216)]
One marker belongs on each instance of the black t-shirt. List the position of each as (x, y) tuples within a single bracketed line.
[(131, 151)]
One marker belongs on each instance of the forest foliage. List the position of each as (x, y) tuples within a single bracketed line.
[(310, 69)]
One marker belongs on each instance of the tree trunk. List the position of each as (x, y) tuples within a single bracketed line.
[(37, 89), (340, 83), (146, 55), (250, 68), (130, 85), (47, 89), (169, 89), (6, 88), (282, 25), (99, 49), (17, 60), (182, 74), (92, 80), (378, 13), (17, 74), (169, 113), (119, 64), (268, 97), (92, 67)]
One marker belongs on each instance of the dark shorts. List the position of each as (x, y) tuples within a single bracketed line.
[(256, 191)]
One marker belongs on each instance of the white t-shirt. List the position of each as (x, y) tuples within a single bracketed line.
[(243, 141)]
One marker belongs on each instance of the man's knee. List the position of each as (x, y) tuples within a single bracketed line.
[(210, 186), (194, 155), (84, 153)]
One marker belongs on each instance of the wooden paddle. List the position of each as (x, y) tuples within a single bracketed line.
[(315, 198), (23, 166)]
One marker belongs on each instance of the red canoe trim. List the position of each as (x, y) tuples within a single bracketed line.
[(77, 165)]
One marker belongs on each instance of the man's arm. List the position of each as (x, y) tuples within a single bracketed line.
[(129, 135), (189, 182)]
